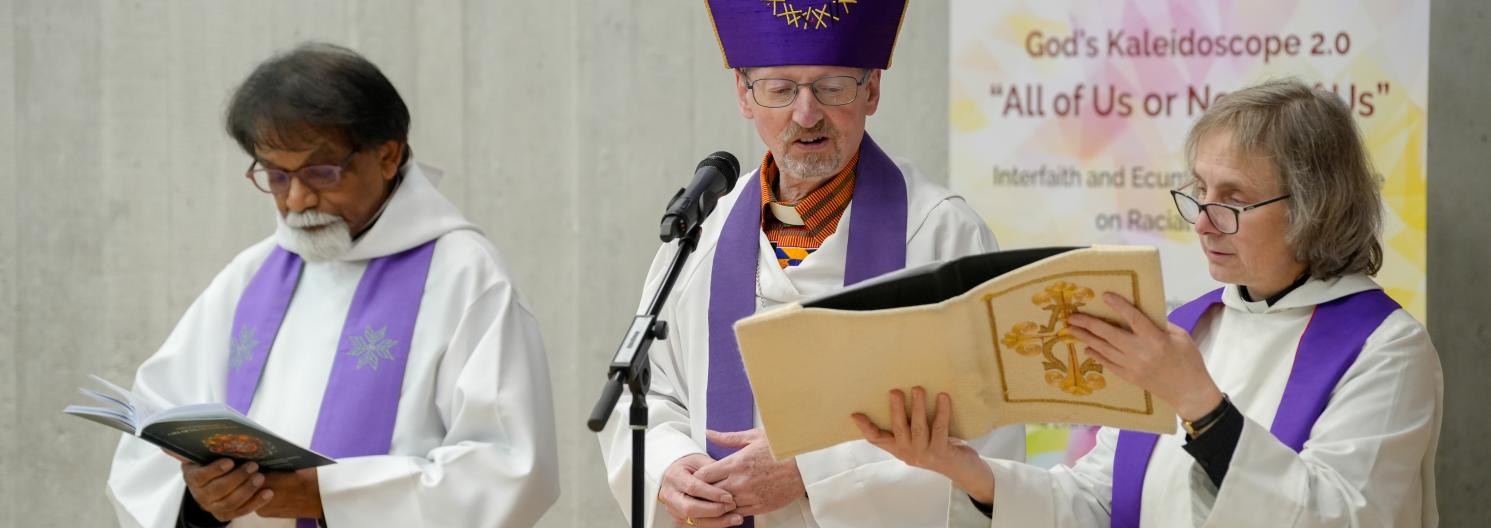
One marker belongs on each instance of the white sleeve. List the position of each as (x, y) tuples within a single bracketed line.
[(669, 433), (858, 484), (497, 465), (1369, 458), (952, 229), (145, 485), (1079, 496)]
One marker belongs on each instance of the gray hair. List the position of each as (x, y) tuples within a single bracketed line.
[(1335, 209)]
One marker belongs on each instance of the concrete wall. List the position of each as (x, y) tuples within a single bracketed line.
[(564, 126), (1460, 251)]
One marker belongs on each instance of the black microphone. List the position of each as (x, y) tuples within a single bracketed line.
[(713, 178)]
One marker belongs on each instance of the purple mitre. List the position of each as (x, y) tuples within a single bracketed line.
[(852, 33)]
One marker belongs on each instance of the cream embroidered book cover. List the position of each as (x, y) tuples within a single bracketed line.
[(990, 330)]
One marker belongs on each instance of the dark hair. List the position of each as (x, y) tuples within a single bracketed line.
[(316, 88)]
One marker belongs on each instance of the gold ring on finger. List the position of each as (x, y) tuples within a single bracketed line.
[(689, 521)]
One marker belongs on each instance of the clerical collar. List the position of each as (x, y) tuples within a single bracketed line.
[(405, 162), (820, 209), (1242, 291)]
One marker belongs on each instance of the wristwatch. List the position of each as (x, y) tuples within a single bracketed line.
[(1199, 426)]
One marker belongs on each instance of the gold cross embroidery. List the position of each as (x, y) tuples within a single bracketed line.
[(1028, 339), (791, 14), (810, 17)]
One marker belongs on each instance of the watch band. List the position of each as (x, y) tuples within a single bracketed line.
[(1199, 426)]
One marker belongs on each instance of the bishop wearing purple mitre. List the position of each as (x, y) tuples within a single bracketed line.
[(824, 208)]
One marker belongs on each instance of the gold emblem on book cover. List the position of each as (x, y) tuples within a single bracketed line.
[(1028, 338)]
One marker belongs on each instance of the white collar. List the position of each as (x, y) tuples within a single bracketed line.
[(1309, 294)]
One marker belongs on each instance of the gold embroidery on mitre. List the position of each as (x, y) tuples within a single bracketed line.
[(1028, 339), (810, 17)]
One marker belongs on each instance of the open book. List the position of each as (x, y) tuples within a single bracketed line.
[(200, 433), (990, 330)]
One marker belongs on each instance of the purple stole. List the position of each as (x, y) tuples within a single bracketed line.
[(362, 395), (1330, 345), (877, 245)]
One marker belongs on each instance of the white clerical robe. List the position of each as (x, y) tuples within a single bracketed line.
[(853, 484), (473, 443), (1369, 460)]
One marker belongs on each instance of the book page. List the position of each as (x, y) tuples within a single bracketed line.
[(110, 417), (139, 407)]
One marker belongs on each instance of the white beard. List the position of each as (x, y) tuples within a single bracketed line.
[(324, 244), (812, 166)]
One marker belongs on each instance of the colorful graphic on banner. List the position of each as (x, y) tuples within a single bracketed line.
[(1050, 445), (1068, 118)]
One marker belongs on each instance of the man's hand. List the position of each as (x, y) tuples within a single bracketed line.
[(692, 501), (297, 494), (223, 490), (759, 483)]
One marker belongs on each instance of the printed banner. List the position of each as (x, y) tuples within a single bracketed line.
[(1068, 117)]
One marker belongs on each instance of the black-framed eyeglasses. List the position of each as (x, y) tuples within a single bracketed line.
[(277, 182), (1226, 218), (837, 90)]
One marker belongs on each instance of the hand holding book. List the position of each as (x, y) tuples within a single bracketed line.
[(199, 433), (1162, 359), (993, 331), (925, 443)]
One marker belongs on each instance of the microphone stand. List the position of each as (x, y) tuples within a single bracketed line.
[(631, 367)]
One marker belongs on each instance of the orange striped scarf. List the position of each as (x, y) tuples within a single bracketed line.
[(820, 211)]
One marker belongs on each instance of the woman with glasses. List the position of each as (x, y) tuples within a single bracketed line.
[(1307, 396)]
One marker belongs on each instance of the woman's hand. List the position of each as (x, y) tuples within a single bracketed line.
[(926, 444), (1163, 361)]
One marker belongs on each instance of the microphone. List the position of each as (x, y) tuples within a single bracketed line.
[(713, 178)]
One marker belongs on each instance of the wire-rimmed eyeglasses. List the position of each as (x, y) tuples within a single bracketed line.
[(836, 90)]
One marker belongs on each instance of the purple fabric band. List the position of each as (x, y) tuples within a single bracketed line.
[(256, 322), (361, 402), (362, 394), (1331, 342), (877, 229), (732, 297), (1333, 339), (877, 245)]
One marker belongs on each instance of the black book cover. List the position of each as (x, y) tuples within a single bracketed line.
[(932, 283), (205, 440)]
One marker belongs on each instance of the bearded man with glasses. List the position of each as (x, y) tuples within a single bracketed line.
[(1307, 396), (825, 208), (377, 326)]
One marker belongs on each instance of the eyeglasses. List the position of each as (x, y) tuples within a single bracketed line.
[(318, 177), (1222, 216), (837, 90)]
